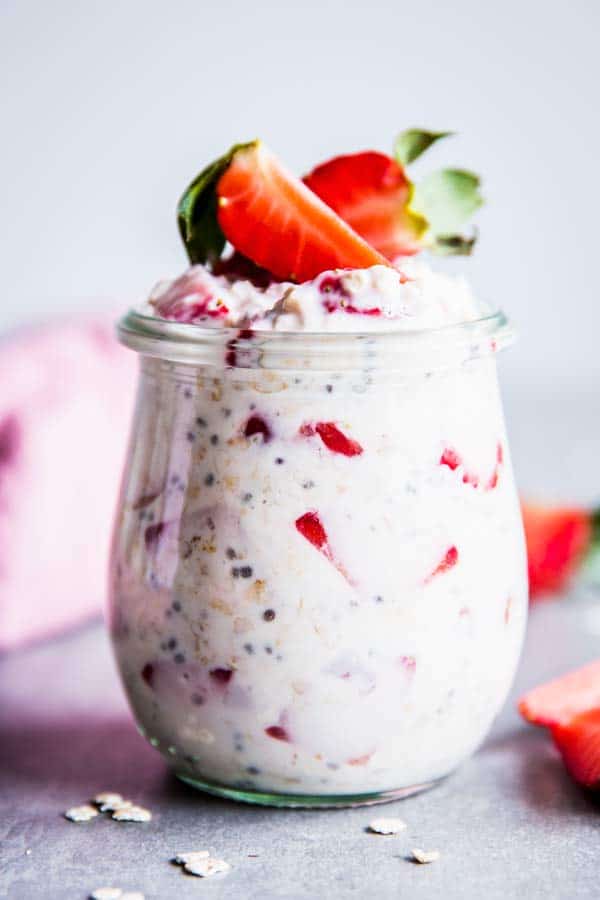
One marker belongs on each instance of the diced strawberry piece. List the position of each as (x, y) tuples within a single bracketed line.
[(371, 192), (451, 459), (148, 674), (559, 701), (257, 425), (152, 534), (334, 439), (449, 561), (221, 676), (454, 461), (232, 354), (310, 527), (557, 541), (579, 745), (277, 732), (277, 222)]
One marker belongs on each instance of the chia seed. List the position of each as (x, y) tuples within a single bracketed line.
[(230, 553), (308, 484), (269, 615), (245, 571), (378, 599), (179, 658), (268, 649), (172, 643), (214, 439), (209, 480), (191, 437), (249, 648), (253, 770), (235, 572), (197, 699), (279, 461), (200, 422), (329, 388), (176, 605), (247, 497)]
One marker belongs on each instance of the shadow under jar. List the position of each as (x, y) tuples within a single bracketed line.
[(318, 576)]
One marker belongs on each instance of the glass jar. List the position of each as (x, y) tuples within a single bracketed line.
[(318, 577)]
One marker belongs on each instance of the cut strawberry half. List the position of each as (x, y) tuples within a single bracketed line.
[(579, 745), (560, 701), (371, 192), (557, 542), (274, 220)]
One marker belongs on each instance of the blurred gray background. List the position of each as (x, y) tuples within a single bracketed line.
[(110, 108)]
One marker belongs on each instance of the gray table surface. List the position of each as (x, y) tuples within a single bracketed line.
[(508, 824)]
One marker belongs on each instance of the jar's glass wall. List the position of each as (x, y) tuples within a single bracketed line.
[(318, 578)]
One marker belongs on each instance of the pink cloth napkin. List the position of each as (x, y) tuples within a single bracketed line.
[(65, 407)]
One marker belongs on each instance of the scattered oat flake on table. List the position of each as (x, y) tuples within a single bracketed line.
[(109, 801), (387, 826), (206, 867), (132, 813), (190, 856), (82, 813), (425, 856)]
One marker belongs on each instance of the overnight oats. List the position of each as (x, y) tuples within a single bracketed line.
[(318, 573)]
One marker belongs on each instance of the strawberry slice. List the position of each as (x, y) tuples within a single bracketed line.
[(558, 539), (579, 745), (560, 701), (371, 192), (277, 222)]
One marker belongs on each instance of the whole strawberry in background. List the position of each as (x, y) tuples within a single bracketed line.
[(373, 193), (560, 540)]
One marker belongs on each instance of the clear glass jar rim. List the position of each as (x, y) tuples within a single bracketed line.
[(195, 344)]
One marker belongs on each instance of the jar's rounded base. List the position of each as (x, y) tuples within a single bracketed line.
[(305, 801)]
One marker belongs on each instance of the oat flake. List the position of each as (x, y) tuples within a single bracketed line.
[(387, 826), (82, 813), (109, 801), (425, 856), (206, 867), (132, 813), (183, 858)]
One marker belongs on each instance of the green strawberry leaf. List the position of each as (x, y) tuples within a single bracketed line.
[(197, 211), (413, 142), (453, 244), (447, 199)]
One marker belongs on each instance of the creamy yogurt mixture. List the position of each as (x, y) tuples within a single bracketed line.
[(318, 576), (375, 299)]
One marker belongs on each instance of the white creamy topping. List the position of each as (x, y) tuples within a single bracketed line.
[(381, 298)]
